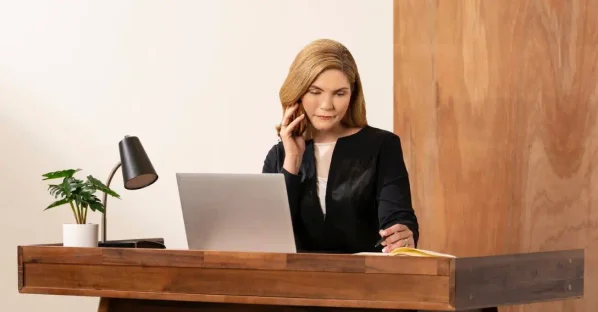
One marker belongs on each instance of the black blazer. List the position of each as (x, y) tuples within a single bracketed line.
[(368, 190)]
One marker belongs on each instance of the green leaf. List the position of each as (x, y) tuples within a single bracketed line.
[(75, 191), (53, 189), (60, 174), (96, 206), (101, 187), (56, 190), (58, 203), (72, 185)]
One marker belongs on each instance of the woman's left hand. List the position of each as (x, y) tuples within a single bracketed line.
[(397, 236)]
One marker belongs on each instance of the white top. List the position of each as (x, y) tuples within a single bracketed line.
[(323, 154)]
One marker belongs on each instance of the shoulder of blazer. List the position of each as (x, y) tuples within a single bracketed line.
[(276, 156), (381, 133)]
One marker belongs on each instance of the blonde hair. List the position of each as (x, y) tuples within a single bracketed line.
[(312, 60)]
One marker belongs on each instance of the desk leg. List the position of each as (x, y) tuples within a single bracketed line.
[(493, 309), (104, 304), (137, 305)]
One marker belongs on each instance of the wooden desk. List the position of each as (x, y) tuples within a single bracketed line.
[(142, 279)]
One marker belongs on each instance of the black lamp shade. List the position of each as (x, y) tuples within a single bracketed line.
[(138, 171)]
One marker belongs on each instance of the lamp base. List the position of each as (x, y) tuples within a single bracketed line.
[(155, 243)]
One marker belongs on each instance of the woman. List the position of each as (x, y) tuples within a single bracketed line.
[(346, 181)]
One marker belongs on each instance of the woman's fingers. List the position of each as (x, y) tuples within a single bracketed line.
[(395, 228), (287, 125), (294, 123), (407, 242), (287, 114), (396, 237), (395, 233)]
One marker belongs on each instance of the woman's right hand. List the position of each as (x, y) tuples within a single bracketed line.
[(294, 146)]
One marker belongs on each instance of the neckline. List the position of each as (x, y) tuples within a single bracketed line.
[(346, 137), (325, 143)]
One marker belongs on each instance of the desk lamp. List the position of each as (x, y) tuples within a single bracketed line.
[(138, 172)]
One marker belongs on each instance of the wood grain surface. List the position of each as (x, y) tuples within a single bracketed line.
[(235, 260), (496, 105), (504, 280), (309, 280), (300, 280)]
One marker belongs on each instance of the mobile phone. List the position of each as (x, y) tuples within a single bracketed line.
[(302, 126)]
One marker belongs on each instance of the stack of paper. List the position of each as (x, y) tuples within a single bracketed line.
[(409, 252)]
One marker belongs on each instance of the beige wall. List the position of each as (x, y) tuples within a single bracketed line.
[(197, 81)]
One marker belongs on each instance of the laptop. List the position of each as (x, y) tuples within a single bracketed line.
[(236, 212)]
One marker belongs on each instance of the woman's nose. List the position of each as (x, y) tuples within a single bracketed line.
[(326, 104)]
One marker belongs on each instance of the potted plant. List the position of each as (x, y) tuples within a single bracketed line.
[(80, 196)]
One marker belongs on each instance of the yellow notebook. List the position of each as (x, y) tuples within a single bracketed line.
[(408, 252)]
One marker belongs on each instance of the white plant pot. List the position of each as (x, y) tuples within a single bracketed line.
[(80, 235)]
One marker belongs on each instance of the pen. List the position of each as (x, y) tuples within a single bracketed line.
[(380, 241)]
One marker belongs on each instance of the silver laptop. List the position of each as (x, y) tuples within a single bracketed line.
[(236, 212)]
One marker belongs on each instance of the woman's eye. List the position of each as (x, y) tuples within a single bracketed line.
[(340, 94), (314, 92)]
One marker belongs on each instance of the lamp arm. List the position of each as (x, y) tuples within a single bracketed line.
[(106, 198)]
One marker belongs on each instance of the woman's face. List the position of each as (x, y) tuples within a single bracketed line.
[(327, 100)]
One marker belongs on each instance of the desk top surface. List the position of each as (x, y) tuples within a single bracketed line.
[(339, 280)]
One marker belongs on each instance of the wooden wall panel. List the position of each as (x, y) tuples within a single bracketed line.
[(496, 103)]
